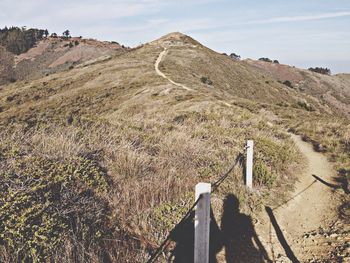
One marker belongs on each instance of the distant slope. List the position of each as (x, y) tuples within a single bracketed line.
[(7, 73), (51, 55), (193, 63), (333, 90), (186, 62)]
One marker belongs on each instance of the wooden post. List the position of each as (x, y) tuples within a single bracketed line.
[(249, 167), (202, 224)]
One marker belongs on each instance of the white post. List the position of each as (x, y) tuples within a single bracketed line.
[(249, 167), (202, 224)]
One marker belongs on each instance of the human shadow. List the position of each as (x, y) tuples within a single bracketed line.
[(183, 236), (240, 239)]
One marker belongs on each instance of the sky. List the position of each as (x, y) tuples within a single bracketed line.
[(302, 33)]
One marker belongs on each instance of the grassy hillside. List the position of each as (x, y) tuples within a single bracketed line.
[(329, 131), (333, 91), (99, 162)]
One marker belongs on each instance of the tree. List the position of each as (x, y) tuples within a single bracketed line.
[(46, 33), (66, 34), (54, 35), (234, 56), (19, 40)]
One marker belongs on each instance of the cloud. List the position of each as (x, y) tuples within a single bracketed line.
[(221, 24), (39, 11), (299, 18)]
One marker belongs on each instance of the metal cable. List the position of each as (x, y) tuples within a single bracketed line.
[(215, 186), (165, 243)]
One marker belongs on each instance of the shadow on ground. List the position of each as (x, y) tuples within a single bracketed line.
[(342, 183), (237, 236)]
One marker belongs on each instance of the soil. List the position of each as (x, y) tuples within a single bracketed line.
[(306, 228)]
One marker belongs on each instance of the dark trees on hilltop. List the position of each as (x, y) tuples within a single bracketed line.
[(269, 60), (46, 33), (325, 71), (19, 40), (66, 34), (265, 59)]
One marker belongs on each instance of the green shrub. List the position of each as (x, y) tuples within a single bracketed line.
[(288, 83), (45, 203), (170, 213), (306, 106), (206, 80), (262, 175)]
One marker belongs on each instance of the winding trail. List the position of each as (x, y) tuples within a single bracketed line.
[(312, 207), (160, 73)]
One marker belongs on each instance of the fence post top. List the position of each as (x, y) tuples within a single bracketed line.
[(203, 187), (250, 143)]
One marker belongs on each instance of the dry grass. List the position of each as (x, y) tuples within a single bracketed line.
[(157, 141), (158, 160)]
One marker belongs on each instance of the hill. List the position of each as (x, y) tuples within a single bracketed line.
[(28, 54), (99, 162), (331, 90)]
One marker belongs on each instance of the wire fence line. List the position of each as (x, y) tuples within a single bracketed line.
[(164, 245)]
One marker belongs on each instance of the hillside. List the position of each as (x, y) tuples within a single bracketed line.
[(47, 55), (99, 162), (331, 90)]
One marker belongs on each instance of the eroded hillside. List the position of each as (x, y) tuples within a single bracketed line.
[(53, 54)]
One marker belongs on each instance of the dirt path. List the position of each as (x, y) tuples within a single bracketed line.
[(290, 232), (160, 73)]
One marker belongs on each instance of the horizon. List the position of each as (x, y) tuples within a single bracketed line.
[(312, 34)]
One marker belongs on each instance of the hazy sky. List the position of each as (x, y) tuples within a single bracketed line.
[(303, 33)]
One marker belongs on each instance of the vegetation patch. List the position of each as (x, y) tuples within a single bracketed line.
[(19, 40), (262, 175), (288, 83), (47, 203), (324, 71), (206, 81)]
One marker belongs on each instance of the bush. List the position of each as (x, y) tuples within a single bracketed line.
[(206, 80), (269, 60), (306, 106), (262, 175), (234, 56), (266, 60), (46, 203), (288, 83)]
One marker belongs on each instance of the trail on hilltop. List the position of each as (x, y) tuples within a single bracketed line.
[(160, 73)]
